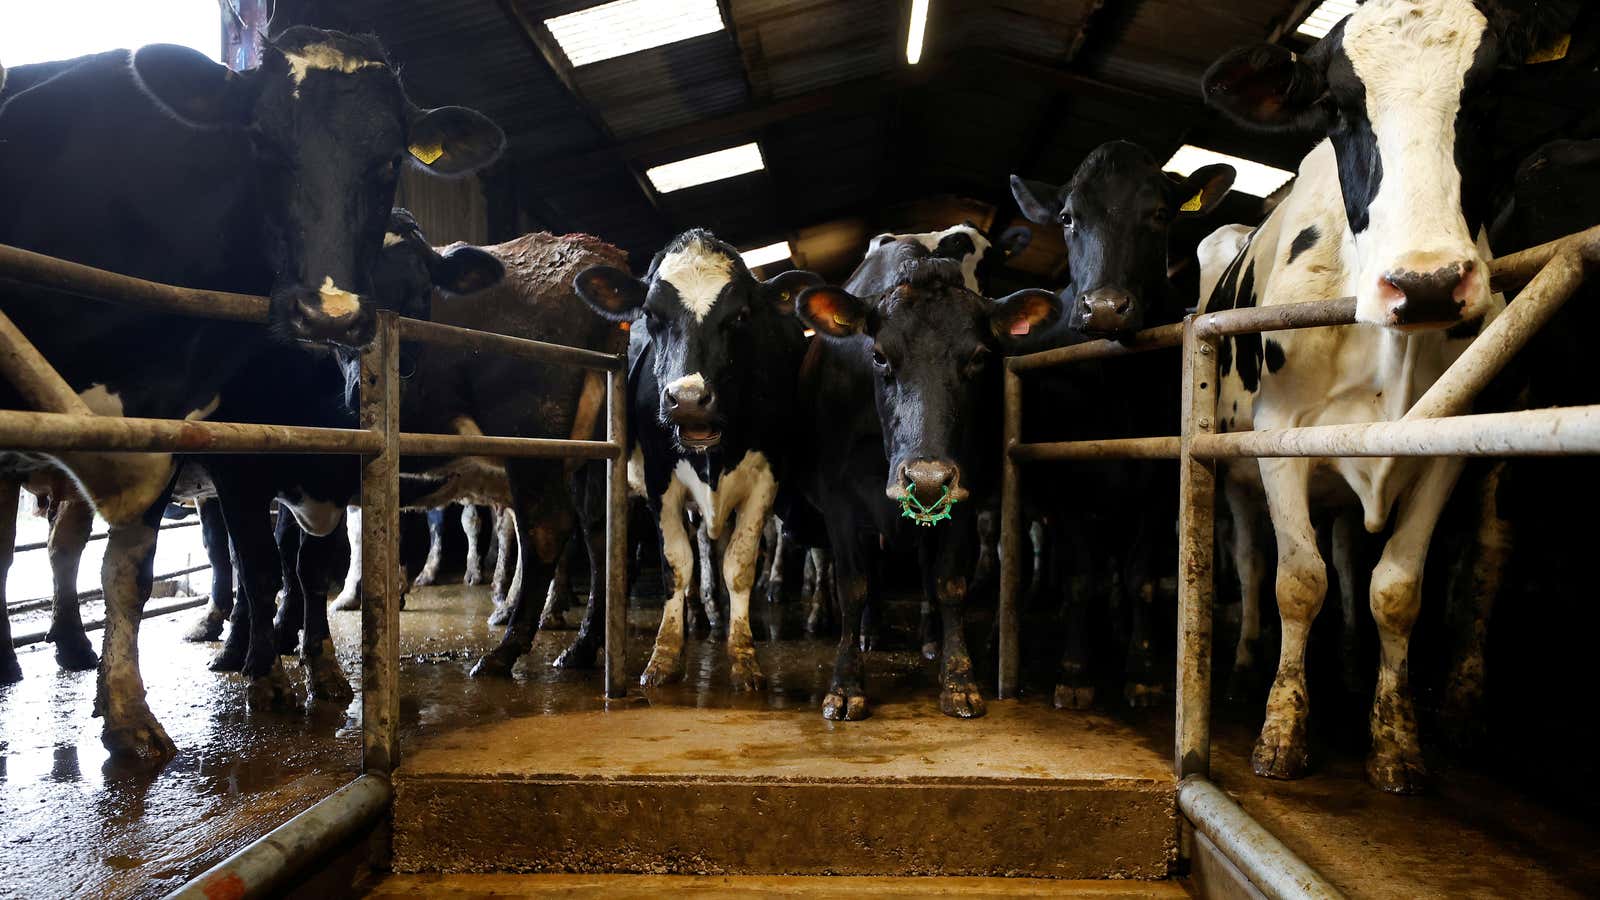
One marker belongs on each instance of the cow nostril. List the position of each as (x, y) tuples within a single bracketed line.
[(1124, 306)]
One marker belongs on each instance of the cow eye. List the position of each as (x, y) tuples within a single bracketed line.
[(879, 359), (1065, 218), (1162, 215), (742, 316), (975, 364)]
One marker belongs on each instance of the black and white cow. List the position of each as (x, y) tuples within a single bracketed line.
[(892, 405), (712, 380), (1115, 214), (161, 164), (1389, 208)]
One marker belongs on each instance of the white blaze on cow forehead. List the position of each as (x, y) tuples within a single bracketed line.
[(324, 58), (336, 301), (698, 273)]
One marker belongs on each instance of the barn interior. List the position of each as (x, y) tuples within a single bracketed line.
[(541, 786)]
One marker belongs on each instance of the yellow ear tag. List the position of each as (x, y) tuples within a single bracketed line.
[(1556, 49), (1195, 202), (427, 153), (842, 321), (783, 297)]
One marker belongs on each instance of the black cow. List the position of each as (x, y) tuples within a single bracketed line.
[(1115, 214), (161, 164), (892, 406), (711, 382)]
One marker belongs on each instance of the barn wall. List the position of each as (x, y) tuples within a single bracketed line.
[(448, 209)]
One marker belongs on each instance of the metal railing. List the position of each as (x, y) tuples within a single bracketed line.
[(65, 424), (1434, 426)]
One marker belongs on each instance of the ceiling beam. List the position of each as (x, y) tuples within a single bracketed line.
[(1291, 19)]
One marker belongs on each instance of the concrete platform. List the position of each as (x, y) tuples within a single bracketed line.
[(627, 887)]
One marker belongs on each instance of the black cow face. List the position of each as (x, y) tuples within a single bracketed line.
[(1398, 88), (706, 318), (330, 127), (1115, 214), (409, 269), (932, 345)]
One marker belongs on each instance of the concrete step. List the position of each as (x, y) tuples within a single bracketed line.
[(677, 789), (627, 887)]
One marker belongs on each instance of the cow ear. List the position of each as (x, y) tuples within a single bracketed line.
[(1024, 313), (1014, 240), (465, 269), (783, 288), (1036, 199), (611, 292), (453, 140), (1200, 193), (195, 89), (1266, 87), (832, 311)]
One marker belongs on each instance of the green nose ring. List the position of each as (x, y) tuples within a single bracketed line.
[(930, 515)]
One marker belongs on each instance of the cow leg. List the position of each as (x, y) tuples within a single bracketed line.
[(286, 627), (544, 521), (1472, 594), (1038, 540), (560, 589), (126, 575), (10, 669), (350, 595), (69, 533), (1281, 750), (770, 532), (244, 506), (677, 552), (872, 608), (1074, 680), (710, 591), (1345, 544), (234, 647), (1249, 564), (782, 547), (472, 523), (958, 690), (214, 534), (507, 567), (819, 600), (584, 650), (317, 657), (988, 564), (430, 567), (847, 697), (741, 557), (1395, 764)]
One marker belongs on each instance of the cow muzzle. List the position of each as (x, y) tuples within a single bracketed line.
[(690, 406), (1429, 291), (928, 481), (336, 317), (1106, 312)]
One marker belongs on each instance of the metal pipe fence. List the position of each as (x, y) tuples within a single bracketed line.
[(1435, 426), (67, 426)]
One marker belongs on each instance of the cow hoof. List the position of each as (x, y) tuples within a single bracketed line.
[(347, 601), (552, 622), (1069, 696), (229, 659), (425, 578), (492, 665), (274, 691), (775, 590), (1397, 771), (1140, 696), (962, 702), (76, 654), (10, 670), (1281, 752), (869, 641), (140, 737), (659, 671), (206, 628), (259, 662), (471, 578), (581, 654), (501, 615), (745, 673), (845, 705)]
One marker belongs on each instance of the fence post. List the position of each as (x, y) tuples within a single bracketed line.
[(380, 533), (1010, 537), (616, 599), (1196, 503)]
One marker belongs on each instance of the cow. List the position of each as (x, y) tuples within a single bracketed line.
[(161, 164), (892, 408), (711, 385), (1115, 214), (1389, 207)]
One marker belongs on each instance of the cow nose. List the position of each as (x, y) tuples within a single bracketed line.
[(689, 399), (1106, 311), (1427, 293), (927, 479), (310, 322)]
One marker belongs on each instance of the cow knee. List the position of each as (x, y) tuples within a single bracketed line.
[(1300, 591), (1396, 599)]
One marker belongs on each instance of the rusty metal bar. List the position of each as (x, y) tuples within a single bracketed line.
[(31, 374), (380, 536), (616, 598), (31, 269), (263, 868), (1114, 448), (486, 445), (1535, 432), (441, 335), (1197, 490), (1454, 391), (1011, 527), (150, 612), (1289, 316), (1140, 342), (1512, 271), (1272, 867), (42, 431)]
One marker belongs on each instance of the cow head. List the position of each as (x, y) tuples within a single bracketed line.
[(1398, 88), (329, 128), (1115, 213), (931, 345), (409, 269), (706, 319)]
